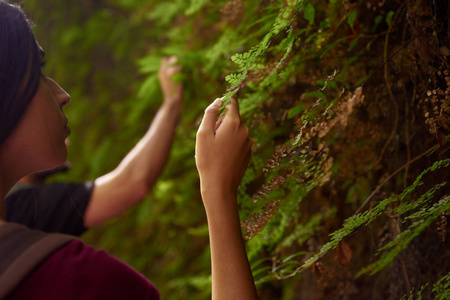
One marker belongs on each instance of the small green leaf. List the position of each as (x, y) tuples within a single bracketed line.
[(353, 44), (198, 231), (317, 94), (325, 24), (378, 20), (389, 17), (195, 7), (296, 110), (351, 19), (309, 13), (149, 64)]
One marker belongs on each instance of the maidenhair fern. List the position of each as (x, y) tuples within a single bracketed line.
[(425, 217), (195, 6), (249, 60), (352, 223), (322, 142), (442, 288), (417, 296)]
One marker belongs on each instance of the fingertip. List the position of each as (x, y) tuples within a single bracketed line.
[(207, 126), (217, 103), (214, 106), (173, 59)]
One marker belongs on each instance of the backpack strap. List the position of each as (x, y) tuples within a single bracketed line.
[(22, 250)]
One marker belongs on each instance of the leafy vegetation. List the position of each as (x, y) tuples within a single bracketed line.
[(348, 103)]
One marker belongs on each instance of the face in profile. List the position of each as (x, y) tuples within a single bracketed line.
[(38, 141), (33, 127)]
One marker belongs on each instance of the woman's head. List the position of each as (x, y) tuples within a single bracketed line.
[(33, 127), (20, 67)]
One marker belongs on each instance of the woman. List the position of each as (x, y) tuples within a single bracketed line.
[(33, 129)]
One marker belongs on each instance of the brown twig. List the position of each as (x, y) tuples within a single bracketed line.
[(388, 85), (405, 273), (408, 148)]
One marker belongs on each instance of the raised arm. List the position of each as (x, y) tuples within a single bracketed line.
[(127, 184), (223, 150)]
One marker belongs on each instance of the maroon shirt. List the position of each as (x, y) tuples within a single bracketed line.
[(78, 271)]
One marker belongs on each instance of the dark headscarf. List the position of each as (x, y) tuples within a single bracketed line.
[(20, 67)]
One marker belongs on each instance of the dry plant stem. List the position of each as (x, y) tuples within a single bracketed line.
[(402, 47), (405, 273), (388, 85), (395, 225), (391, 176), (408, 149)]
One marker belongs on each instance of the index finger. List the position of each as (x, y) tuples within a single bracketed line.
[(208, 123)]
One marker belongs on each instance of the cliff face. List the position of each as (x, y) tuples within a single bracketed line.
[(348, 103)]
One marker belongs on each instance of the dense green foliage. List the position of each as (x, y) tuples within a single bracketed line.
[(348, 103)]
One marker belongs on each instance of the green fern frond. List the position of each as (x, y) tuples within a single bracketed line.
[(411, 295), (367, 217), (427, 215), (442, 288), (165, 11), (249, 60), (196, 5)]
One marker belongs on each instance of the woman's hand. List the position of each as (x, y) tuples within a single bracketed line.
[(223, 149), (172, 91)]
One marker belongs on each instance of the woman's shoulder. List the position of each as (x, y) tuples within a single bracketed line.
[(78, 271)]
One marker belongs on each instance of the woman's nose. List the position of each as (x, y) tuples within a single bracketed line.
[(60, 94), (63, 97)]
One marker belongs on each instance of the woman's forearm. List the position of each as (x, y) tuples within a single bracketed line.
[(147, 159), (137, 172), (231, 274)]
